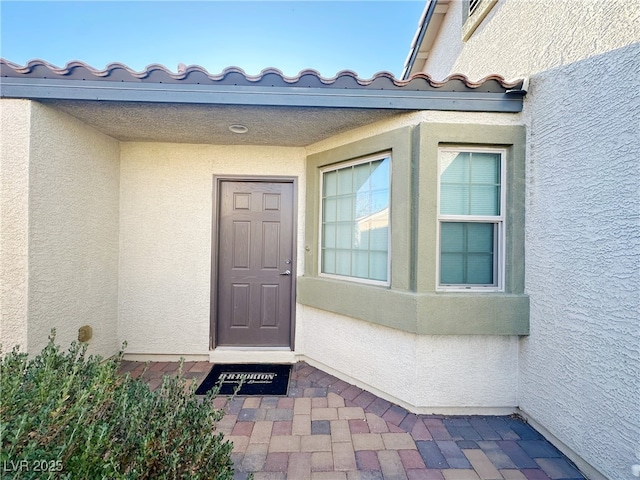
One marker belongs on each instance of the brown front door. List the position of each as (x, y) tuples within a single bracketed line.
[(255, 263)]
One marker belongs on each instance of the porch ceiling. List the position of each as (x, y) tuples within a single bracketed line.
[(209, 124)]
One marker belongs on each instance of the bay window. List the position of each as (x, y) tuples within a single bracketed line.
[(451, 196)]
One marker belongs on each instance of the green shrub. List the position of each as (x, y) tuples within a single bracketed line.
[(69, 415)]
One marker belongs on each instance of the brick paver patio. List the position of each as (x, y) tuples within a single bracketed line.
[(328, 429)]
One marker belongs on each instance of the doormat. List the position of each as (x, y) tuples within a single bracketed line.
[(257, 379)]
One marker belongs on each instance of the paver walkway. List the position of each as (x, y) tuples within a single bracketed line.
[(328, 429)]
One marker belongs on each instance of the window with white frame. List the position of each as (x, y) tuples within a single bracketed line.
[(471, 217), (355, 219)]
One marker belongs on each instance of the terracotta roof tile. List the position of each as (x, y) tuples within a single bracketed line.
[(194, 74)]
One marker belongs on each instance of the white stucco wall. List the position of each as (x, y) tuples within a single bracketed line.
[(583, 260), (448, 374), (73, 231), (15, 117), (165, 237), (580, 367)]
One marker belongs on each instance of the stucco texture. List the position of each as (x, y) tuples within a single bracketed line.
[(580, 366), (583, 254), (73, 231), (166, 212), (14, 206), (60, 246), (518, 38), (446, 374)]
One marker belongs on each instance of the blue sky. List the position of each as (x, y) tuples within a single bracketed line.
[(329, 36)]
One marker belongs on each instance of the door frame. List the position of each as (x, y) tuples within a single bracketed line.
[(213, 303)]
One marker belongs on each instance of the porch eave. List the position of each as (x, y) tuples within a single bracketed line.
[(466, 100)]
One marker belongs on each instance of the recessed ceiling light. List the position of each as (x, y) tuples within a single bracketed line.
[(237, 128)]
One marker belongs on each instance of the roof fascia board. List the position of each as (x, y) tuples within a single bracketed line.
[(411, 100), (419, 37)]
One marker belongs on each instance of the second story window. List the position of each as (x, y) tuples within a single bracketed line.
[(473, 13), (473, 5)]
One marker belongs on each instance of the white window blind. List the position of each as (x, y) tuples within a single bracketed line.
[(473, 5), (470, 218)]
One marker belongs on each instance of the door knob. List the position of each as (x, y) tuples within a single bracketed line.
[(286, 272)]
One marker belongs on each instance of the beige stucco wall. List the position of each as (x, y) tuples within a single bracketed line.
[(413, 119), (15, 117), (60, 229), (518, 38), (580, 367), (73, 231), (165, 237)]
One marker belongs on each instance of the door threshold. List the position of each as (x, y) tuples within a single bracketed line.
[(252, 355)]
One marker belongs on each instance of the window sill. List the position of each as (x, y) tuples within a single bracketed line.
[(361, 281), (457, 289), (434, 313)]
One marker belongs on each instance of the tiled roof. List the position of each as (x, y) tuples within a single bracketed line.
[(197, 75)]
